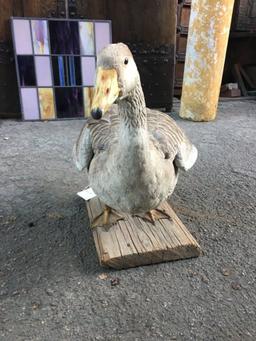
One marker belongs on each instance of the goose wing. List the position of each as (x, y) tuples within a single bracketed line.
[(171, 140), (166, 135), (95, 136), (82, 150)]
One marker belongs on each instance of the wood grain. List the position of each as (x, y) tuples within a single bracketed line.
[(132, 242), (38, 8), (92, 9), (9, 96), (156, 25)]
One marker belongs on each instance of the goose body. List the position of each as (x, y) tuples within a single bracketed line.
[(132, 154)]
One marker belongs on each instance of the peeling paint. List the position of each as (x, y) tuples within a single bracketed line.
[(206, 50)]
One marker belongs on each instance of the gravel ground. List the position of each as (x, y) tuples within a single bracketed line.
[(51, 284)]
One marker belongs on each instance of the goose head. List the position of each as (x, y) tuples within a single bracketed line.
[(117, 76)]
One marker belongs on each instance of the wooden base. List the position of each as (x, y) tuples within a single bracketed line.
[(133, 241)]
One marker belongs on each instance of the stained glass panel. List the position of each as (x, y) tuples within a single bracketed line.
[(88, 70), (43, 71), (69, 102), (88, 94), (26, 68), (29, 103), (102, 33), (40, 36), (64, 37), (46, 103), (86, 34), (22, 35), (56, 62)]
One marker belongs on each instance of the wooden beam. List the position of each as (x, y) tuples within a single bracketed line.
[(247, 78), (239, 79), (8, 9), (133, 242)]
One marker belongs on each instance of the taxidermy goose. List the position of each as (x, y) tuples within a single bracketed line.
[(132, 154)]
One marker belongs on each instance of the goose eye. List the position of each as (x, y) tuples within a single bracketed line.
[(126, 61)]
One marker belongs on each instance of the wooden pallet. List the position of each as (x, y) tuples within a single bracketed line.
[(134, 241)]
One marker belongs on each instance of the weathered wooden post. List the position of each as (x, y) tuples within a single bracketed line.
[(205, 57)]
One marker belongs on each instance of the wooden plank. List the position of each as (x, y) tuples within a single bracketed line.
[(133, 241), (239, 79), (245, 98), (185, 16), (247, 78)]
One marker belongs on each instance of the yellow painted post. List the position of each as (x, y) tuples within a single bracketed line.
[(205, 57)]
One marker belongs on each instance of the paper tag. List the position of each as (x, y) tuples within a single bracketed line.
[(87, 194)]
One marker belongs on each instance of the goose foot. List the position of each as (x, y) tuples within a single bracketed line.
[(154, 215), (107, 217)]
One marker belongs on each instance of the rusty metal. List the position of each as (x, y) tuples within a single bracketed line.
[(61, 9), (72, 8), (156, 66), (65, 9)]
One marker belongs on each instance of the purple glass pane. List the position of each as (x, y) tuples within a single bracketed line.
[(43, 71), (40, 36), (88, 70), (64, 37), (86, 33), (26, 68), (69, 102), (102, 35), (29, 103), (22, 36)]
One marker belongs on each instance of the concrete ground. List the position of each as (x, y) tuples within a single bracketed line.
[(51, 284)]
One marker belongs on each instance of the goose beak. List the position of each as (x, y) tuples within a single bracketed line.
[(105, 93)]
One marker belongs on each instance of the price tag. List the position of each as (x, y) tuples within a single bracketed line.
[(87, 194)]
